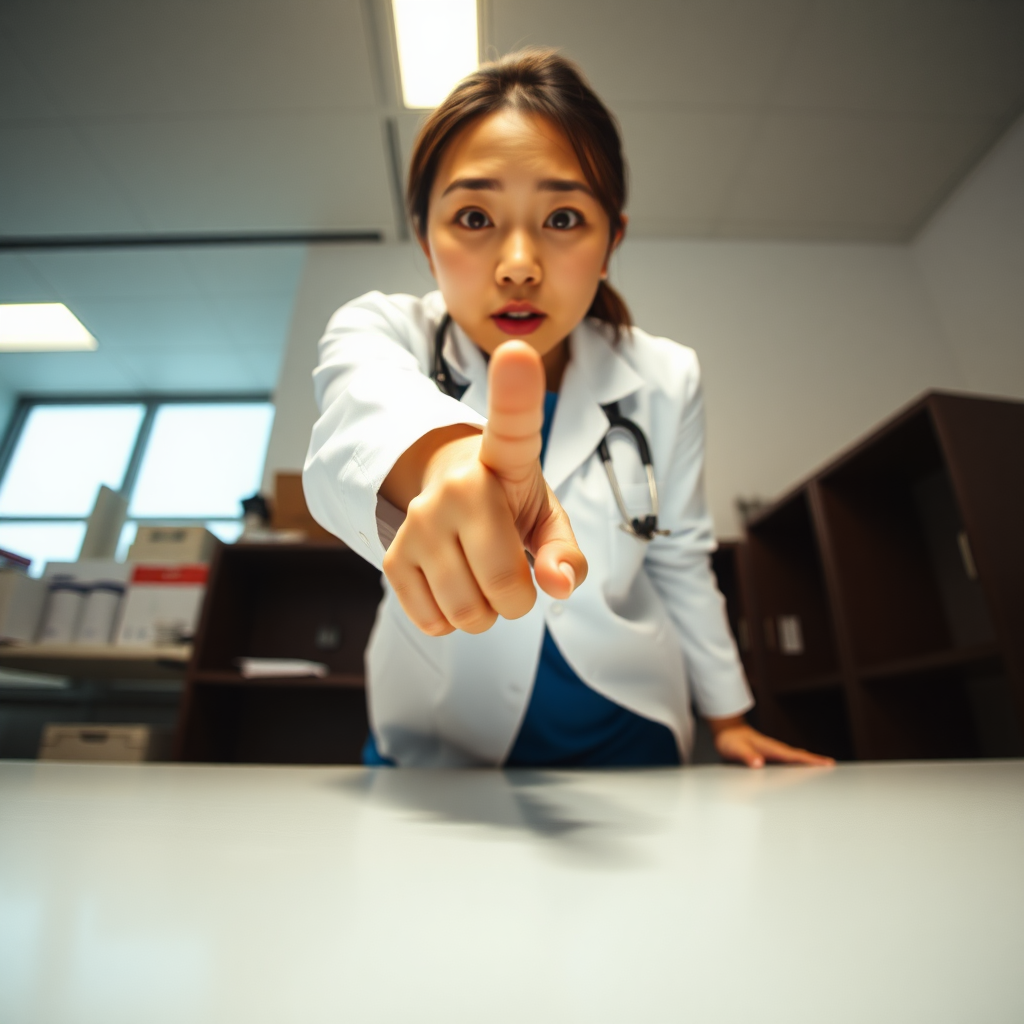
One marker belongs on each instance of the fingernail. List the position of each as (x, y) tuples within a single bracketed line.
[(568, 572)]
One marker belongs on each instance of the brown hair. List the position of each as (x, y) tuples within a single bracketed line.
[(539, 82)]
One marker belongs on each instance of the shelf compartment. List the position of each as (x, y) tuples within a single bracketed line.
[(314, 602), (794, 628), (901, 554), (268, 724), (981, 657)]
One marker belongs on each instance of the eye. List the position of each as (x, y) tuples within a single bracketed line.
[(473, 219), (564, 220)]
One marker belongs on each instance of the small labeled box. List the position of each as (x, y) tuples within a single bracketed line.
[(116, 744)]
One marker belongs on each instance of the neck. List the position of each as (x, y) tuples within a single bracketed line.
[(555, 363)]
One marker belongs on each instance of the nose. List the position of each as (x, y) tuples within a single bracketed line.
[(518, 263)]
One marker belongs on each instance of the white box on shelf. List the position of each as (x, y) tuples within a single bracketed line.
[(162, 604), (21, 605)]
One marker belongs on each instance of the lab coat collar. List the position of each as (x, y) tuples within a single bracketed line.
[(468, 366), (595, 375)]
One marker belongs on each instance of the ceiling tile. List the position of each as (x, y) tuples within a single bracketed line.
[(246, 269), (203, 370), (852, 173), (680, 165), (122, 57), (923, 56), (70, 373), (21, 282), (252, 322), (702, 52), (21, 93), (175, 324), (115, 273), (310, 171), (52, 183)]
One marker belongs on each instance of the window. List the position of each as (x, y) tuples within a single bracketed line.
[(177, 461)]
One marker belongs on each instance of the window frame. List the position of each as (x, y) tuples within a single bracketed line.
[(152, 403)]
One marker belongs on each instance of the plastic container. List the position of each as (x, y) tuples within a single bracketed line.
[(99, 615)]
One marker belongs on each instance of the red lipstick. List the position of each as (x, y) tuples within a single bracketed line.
[(518, 318)]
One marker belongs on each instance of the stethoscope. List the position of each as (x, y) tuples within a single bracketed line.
[(643, 529)]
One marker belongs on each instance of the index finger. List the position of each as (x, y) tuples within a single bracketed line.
[(511, 441)]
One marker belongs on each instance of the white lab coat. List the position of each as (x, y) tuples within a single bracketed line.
[(647, 627)]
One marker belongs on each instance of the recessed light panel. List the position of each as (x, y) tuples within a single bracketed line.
[(42, 327), (437, 46)]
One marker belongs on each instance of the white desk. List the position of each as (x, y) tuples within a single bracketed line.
[(871, 893)]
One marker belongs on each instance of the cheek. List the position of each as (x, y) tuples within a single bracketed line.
[(455, 266)]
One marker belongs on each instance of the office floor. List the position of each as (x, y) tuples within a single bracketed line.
[(881, 892)]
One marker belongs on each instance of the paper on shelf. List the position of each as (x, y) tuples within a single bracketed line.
[(256, 668)]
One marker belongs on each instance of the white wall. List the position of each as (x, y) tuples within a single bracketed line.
[(803, 348), (332, 275), (971, 258)]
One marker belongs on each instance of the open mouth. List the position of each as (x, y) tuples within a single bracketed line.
[(518, 322)]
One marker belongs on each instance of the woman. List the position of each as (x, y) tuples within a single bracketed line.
[(437, 417)]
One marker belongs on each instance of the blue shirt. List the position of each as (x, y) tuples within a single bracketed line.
[(567, 724)]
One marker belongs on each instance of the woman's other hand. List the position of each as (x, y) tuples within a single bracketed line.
[(473, 502), (737, 741)]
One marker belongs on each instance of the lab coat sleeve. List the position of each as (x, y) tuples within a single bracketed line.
[(679, 566), (375, 399)]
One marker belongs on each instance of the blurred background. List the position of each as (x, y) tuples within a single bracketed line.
[(827, 203)]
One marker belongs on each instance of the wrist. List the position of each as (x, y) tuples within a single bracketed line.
[(422, 459), (719, 725)]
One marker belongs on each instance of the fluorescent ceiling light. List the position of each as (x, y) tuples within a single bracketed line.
[(42, 327), (437, 46)]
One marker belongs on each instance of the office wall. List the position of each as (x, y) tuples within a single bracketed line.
[(803, 347), (971, 258), (332, 275)]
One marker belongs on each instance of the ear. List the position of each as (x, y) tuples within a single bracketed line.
[(425, 246), (614, 244)]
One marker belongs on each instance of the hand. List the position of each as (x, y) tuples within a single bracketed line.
[(737, 741), (474, 502)]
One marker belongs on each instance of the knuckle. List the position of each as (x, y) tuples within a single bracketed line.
[(473, 618)]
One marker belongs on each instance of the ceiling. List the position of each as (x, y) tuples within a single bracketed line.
[(756, 119)]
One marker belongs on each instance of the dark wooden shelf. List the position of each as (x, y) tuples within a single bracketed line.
[(210, 677), (810, 684), (901, 565), (313, 602), (981, 656)]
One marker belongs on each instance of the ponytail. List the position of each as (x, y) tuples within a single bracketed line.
[(609, 306)]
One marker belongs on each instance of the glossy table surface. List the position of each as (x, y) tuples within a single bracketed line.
[(214, 894)]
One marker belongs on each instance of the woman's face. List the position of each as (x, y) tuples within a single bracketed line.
[(515, 238)]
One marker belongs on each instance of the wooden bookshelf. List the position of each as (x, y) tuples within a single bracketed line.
[(315, 602), (902, 564)]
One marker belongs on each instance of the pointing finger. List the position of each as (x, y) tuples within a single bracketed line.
[(511, 442)]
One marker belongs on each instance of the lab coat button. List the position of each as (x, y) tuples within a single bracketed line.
[(556, 609)]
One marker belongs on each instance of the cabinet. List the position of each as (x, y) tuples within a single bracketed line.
[(315, 602), (886, 592)]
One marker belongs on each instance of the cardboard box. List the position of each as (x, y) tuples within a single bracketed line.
[(21, 605), (172, 544), (289, 511), (162, 605), (117, 744)]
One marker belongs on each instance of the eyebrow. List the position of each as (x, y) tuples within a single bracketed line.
[(494, 185)]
